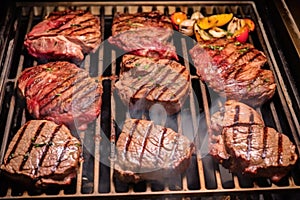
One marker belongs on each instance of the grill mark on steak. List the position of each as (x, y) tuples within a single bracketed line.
[(33, 80), (160, 143), (60, 88), (67, 18), (144, 143), (165, 88), (279, 159), (78, 86), (225, 65), (153, 86), (16, 144), (45, 151), (128, 139), (249, 137), (57, 163), (37, 133), (80, 25), (256, 150), (265, 138)]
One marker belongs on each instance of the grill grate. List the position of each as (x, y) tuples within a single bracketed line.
[(95, 178)]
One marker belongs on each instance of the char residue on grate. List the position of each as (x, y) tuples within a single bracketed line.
[(95, 176)]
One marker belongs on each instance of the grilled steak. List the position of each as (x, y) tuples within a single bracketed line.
[(242, 143), (42, 154), (234, 70), (144, 34), (146, 151), (64, 35), (146, 81), (61, 92)]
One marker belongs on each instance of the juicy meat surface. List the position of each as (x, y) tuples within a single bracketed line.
[(42, 153), (68, 95), (144, 34), (146, 151), (146, 81), (124, 21), (243, 144), (234, 70), (64, 35)]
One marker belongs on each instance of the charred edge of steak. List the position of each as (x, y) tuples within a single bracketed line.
[(243, 144), (146, 81), (69, 95), (42, 154), (125, 21), (233, 70), (150, 152)]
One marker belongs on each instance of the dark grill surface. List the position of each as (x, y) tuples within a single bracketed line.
[(95, 178)]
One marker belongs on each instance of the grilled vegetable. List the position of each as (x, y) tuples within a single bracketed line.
[(177, 18), (186, 27), (242, 34), (250, 24), (217, 32), (214, 20), (196, 15), (235, 24)]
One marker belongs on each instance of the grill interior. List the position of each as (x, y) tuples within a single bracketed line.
[(95, 178)]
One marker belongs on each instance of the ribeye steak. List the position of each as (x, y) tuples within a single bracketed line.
[(145, 81), (64, 35), (146, 151), (243, 144), (234, 70), (42, 154), (61, 92), (144, 34)]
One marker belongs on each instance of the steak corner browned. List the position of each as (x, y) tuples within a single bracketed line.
[(42, 154), (243, 144), (143, 34), (146, 151), (61, 92), (146, 81), (126, 21), (234, 70), (64, 35)]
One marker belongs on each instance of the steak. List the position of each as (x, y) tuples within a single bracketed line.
[(146, 151), (145, 81), (68, 96), (64, 35), (243, 144), (144, 34), (234, 70), (42, 154)]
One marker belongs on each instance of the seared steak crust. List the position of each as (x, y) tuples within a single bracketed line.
[(242, 143), (146, 151), (42, 153), (68, 94), (125, 21), (234, 70), (144, 34), (146, 81), (64, 35)]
